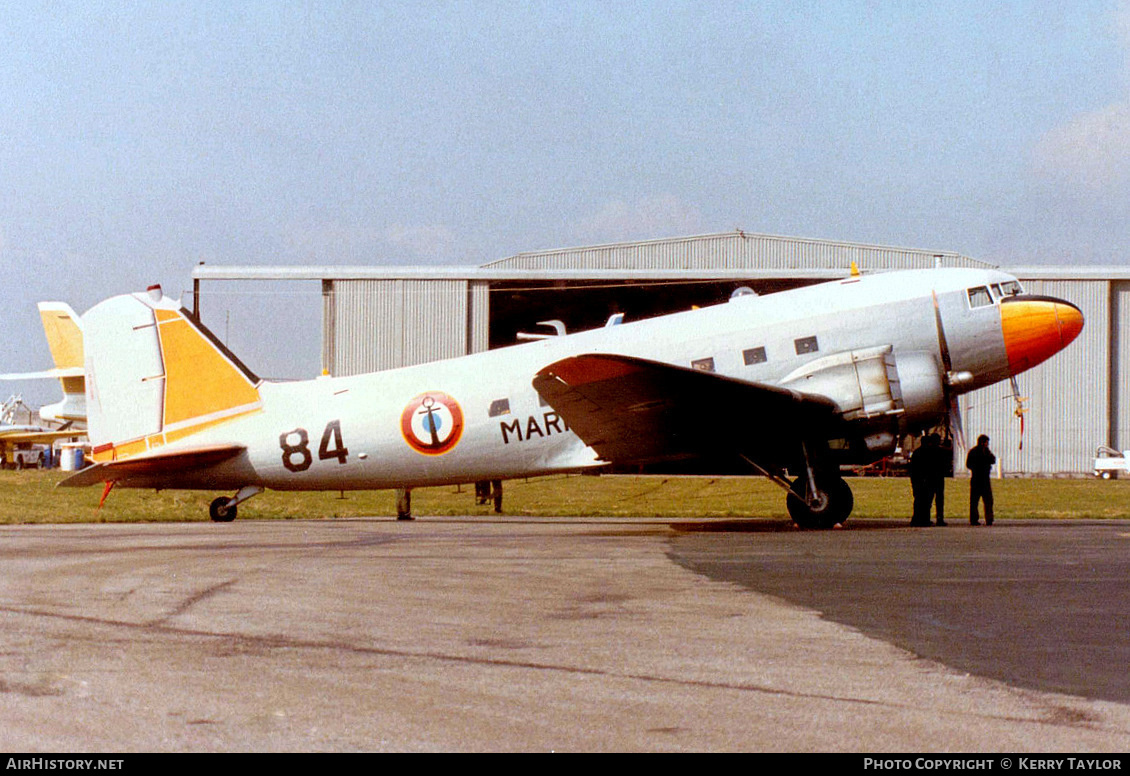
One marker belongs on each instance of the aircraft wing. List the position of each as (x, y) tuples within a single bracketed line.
[(153, 464), (631, 410), (15, 436)]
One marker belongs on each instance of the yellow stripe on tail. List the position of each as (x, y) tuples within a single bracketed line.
[(64, 337), (201, 382)]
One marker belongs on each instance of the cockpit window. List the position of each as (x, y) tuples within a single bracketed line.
[(1012, 288), (997, 293), (979, 297)]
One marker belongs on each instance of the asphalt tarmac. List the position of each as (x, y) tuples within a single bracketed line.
[(478, 634), (1043, 605)]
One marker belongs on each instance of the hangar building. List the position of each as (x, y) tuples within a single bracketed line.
[(377, 318)]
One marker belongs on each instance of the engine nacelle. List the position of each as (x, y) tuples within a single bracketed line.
[(923, 399), (880, 395)]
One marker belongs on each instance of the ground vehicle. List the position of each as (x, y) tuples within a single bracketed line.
[(1109, 463), (25, 455)]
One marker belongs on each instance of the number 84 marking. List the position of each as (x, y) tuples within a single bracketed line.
[(297, 457)]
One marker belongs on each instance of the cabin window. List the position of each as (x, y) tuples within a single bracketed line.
[(754, 356), (703, 364), (806, 345), (979, 297), (499, 407)]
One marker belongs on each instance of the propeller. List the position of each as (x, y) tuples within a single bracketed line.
[(1020, 408), (954, 423), (954, 426)]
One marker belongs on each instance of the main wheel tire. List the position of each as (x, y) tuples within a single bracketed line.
[(833, 503), (220, 512)]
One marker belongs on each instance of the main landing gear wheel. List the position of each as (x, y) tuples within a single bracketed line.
[(220, 512), (831, 504)]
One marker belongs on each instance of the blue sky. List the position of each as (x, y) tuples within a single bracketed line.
[(137, 139)]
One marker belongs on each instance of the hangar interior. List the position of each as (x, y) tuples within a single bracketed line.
[(376, 318)]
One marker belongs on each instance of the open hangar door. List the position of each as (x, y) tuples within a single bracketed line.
[(519, 305)]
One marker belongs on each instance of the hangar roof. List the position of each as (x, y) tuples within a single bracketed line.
[(729, 255)]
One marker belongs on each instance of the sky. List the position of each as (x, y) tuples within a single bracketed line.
[(139, 139)]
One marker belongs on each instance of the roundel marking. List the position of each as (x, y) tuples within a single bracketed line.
[(432, 423)]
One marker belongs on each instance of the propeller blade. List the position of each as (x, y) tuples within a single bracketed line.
[(955, 423), (1020, 408), (943, 346)]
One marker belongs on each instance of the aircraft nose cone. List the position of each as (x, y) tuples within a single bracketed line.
[(1036, 328)]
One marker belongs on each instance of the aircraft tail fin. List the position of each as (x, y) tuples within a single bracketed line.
[(63, 329), (156, 375)]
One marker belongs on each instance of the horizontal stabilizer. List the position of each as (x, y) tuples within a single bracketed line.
[(153, 464), (46, 374)]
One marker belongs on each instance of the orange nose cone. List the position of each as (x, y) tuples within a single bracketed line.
[(1036, 328)]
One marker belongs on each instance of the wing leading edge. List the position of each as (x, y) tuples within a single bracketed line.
[(635, 411)]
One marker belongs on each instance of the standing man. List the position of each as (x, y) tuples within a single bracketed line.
[(937, 470), (924, 481), (980, 462), (943, 468)]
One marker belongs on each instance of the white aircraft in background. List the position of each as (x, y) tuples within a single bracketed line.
[(18, 440), (64, 337), (793, 382)]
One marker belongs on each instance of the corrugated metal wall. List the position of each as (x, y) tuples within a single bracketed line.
[(381, 324), (1068, 397), (734, 250), (1120, 365), (478, 319)]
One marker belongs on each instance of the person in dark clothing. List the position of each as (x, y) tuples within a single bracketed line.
[(943, 467), (928, 468), (918, 485), (980, 462), (939, 460)]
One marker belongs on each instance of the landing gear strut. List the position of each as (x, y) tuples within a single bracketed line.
[(818, 498)]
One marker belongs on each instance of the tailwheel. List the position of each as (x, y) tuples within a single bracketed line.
[(222, 510), (219, 510), (829, 505)]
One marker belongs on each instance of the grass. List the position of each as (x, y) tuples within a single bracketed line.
[(30, 497)]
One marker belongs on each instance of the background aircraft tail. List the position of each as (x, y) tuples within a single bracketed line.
[(156, 375), (63, 329)]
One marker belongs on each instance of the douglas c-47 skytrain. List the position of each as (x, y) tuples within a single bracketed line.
[(790, 385)]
